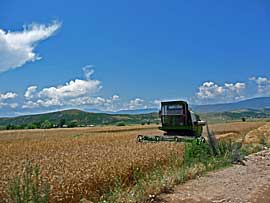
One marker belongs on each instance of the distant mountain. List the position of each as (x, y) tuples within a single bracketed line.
[(255, 103), (137, 111), (248, 114)]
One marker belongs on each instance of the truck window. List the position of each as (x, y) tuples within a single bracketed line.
[(169, 110)]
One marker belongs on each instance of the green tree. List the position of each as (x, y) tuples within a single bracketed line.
[(11, 127), (46, 124), (31, 126), (62, 122), (73, 124)]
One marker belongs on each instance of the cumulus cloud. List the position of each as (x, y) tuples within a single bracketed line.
[(74, 93), (17, 48), (63, 94), (115, 97), (211, 92), (5, 100), (29, 93), (134, 104), (263, 85), (8, 95), (73, 88)]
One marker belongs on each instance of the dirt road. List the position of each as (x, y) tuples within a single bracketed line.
[(237, 184)]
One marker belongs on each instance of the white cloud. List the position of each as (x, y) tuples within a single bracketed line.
[(73, 93), (237, 87), (31, 104), (263, 85), (134, 104), (29, 94), (157, 102), (73, 88), (13, 105), (211, 92), (17, 48), (87, 100), (8, 95), (5, 100), (115, 97)]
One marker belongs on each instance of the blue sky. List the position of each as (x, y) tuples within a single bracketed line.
[(141, 52)]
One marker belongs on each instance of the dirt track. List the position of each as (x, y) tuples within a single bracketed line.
[(237, 184)]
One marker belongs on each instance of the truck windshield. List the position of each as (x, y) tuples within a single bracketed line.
[(175, 109)]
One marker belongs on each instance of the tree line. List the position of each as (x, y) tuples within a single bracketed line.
[(46, 124)]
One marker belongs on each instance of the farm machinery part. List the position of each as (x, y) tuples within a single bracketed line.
[(179, 124)]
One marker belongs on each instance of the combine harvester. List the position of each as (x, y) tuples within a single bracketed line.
[(179, 124)]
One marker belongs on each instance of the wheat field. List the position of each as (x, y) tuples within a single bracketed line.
[(86, 162)]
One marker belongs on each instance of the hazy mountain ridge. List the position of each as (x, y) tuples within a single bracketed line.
[(255, 103), (252, 108)]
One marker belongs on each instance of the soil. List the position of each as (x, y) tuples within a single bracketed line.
[(249, 183)]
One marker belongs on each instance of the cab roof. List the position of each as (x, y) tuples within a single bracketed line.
[(174, 102)]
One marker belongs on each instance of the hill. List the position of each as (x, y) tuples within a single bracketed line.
[(248, 114), (79, 118)]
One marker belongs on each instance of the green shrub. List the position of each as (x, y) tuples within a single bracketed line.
[(227, 152), (11, 127), (28, 188), (195, 153), (121, 124), (72, 124), (31, 126)]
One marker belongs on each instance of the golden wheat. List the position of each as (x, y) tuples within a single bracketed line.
[(86, 162)]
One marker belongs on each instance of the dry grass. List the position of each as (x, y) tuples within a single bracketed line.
[(39, 134), (235, 127), (235, 130), (258, 135), (85, 162)]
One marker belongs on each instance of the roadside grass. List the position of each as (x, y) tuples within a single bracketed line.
[(198, 160)]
